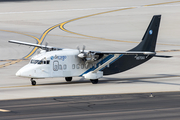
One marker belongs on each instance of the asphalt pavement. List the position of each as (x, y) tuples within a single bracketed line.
[(155, 106)]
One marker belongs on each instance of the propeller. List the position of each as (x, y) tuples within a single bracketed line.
[(86, 56), (82, 54), (43, 48)]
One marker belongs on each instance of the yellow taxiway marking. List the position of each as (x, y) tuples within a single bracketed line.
[(64, 29), (18, 86), (41, 85), (39, 41), (10, 60), (168, 51), (10, 63), (27, 56), (61, 25), (3, 110), (162, 3)]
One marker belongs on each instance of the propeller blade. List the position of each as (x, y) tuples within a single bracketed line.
[(83, 48), (46, 44), (78, 49)]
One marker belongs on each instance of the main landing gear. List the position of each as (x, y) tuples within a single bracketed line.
[(68, 79), (33, 82), (94, 81)]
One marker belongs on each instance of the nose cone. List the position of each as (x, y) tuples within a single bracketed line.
[(25, 71), (18, 73)]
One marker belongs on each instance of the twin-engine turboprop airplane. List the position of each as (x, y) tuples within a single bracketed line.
[(58, 62)]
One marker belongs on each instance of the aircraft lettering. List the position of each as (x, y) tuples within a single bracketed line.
[(58, 57), (57, 67), (140, 57)]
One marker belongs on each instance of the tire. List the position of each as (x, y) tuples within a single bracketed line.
[(95, 81), (68, 79), (33, 82)]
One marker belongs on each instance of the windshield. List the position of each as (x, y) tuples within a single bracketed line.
[(39, 61), (34, 61)]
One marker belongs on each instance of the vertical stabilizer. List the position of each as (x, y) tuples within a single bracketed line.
[(149, 39)]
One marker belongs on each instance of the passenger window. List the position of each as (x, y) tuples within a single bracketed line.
[(82, 66), (86, 66), (60, 67), (78, 66), (64, 66), (48, 61), (73, 66)]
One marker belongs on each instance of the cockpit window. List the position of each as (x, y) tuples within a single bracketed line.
[(40, 61), (34, 61)]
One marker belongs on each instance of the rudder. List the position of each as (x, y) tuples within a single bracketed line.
[(149, 39)]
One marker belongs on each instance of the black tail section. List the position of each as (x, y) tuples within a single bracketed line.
[(148, 42)]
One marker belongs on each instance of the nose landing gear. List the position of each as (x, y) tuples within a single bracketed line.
[(95, 81), (33, 82)]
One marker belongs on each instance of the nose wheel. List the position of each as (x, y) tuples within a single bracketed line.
[(33, 82)]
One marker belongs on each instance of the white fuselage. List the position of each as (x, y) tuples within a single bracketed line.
[(63, 63)]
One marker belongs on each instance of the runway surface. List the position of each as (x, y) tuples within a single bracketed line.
[(158, 106), (99, 25)]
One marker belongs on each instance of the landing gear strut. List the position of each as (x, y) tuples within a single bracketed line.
[(68, 79), (94, 81), (33, 82)]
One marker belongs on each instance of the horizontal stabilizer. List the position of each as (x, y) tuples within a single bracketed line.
[(163, 56)]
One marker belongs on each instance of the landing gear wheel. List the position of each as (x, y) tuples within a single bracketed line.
[(94, 81), (33, 82), (68, 79)]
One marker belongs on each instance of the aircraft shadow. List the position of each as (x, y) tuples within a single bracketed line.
[(143, 79), (107, 80)]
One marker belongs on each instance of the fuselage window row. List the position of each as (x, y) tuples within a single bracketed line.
[(78, 66)]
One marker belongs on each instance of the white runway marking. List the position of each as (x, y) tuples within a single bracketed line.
[(109, 8), (3, 110)]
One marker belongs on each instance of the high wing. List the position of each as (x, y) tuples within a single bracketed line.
[(91, 56), (82, 54), (131, 53), (125, 52), (44, 47)]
